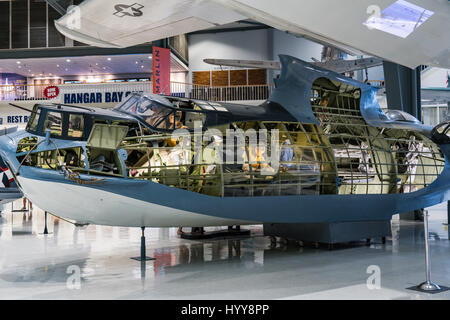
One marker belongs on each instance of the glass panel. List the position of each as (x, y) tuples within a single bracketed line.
[(38, 31), (76, 125), (55, 39), (442, 114), (33, 123), (20, 24), (429, 115), (4, 25), (53, 122)]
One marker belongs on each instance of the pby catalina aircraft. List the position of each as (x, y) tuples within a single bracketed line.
[(331, 154), (398, 25)]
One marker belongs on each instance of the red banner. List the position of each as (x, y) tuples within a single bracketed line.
[(161, 71)]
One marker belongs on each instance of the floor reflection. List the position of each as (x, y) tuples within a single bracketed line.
[(31, 261)]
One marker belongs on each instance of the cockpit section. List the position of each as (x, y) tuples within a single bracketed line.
[(162, 114), (73, 122), (441, 133)]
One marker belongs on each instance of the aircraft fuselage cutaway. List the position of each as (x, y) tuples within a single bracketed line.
[(319, 150)]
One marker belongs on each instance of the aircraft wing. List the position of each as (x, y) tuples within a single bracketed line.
[(436, 94), (339, 66), (271, 65), (410, 33), (106, 23), (343, 66)]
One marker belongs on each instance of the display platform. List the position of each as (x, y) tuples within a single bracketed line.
[(330, 233), (217, 234)]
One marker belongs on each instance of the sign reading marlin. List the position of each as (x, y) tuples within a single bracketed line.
[(319, 150)]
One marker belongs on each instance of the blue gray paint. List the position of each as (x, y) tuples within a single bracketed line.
[(293, 93)]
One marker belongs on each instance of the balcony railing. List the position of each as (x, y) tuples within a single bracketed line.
[(111, 92)]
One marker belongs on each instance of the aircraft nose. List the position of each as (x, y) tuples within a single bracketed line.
[(6, 176)]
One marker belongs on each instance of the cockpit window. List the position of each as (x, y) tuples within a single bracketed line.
[(153, 112), (444, 129), (441, 133), (76, 126), (53, 122), (397, 115), (160, 113), (33, 123)]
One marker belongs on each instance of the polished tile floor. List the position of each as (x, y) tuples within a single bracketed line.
[(94, 263)]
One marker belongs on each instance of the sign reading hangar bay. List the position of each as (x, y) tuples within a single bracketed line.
[(96, 97)]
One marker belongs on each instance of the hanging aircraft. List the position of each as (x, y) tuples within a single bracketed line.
[(339, 66), (320, 148), (409, 32), (436, 95)]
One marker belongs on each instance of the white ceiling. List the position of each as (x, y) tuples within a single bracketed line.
[(88, 65), (375, 27)]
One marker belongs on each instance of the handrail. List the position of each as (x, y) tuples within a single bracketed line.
[(177, 89)]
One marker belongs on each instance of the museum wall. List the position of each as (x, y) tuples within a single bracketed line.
[(248, 45), (435, 77), (284, 43)]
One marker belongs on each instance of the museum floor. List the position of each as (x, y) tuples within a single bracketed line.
[(34, 266)]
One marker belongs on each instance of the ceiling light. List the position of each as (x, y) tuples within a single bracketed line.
[(109, 59), (18, 62), (32, 75), (68, 60), (57, 65)]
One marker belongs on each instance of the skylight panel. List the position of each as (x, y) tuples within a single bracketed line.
[(399, 19)]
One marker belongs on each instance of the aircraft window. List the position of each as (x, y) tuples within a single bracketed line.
[(76, 126), (128, 104), (33, 123), (396, 115), (53, 122), (154, 114), (444, 129)]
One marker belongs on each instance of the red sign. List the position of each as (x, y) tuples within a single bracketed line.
[(51, 92), (161, 71)]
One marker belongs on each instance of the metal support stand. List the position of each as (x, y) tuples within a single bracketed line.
[(230, 232), (428, 286), (45, 224), (143, 256), (45, 228), (448, 214), (20, 210)]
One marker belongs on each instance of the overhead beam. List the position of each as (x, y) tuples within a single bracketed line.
[(73, 52), (59, 5)]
